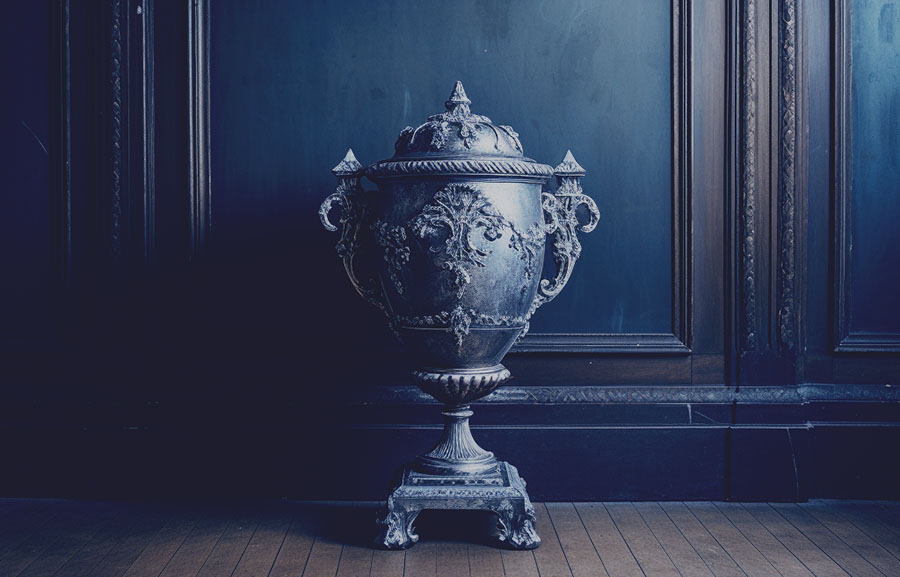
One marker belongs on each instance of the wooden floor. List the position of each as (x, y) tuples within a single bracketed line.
[(67, 538)]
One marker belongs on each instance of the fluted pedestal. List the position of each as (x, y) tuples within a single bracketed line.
[(456, 452)]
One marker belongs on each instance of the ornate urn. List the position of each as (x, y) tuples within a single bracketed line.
[(451, 248)]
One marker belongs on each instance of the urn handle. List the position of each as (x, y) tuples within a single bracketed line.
[(354, 214), (562, 222)]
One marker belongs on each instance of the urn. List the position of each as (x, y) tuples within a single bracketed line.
[(451, 247)]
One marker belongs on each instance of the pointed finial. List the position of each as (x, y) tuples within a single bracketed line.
[(458, 99), (569, 166), (348, 166)]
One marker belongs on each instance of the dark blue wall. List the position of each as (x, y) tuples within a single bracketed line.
[(293, 85)]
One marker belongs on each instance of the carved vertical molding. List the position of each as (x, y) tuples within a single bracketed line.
[(198, 132), (128, 199), (116, 104), (787, 176), (748, 130)]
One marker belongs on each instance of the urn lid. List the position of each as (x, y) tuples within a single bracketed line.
[(459, 142)]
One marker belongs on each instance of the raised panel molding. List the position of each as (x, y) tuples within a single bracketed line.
[(845, 340), (678, 341)]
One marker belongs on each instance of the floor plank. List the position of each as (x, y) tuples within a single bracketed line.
[(614, 553), (484, 561), (821, 538), (453, 559), (771, 548), (519, 564), (324, 558), (878, 512), (867, 548), (388, 564), (710, 550), (161, 548), (685, 558), (825, 540), (890, 512), (812, 557), (550, 559), (22, 519), (294, 552), (576, 544), (738, 547), (646, 548), (421, 560), (259, 556), (131, 543), (22, 552), (87, 557), (67, 543), (196, 548), (227, 552), (870, 525), (355, 561)]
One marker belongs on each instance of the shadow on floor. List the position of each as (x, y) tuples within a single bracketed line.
[(354, 524)]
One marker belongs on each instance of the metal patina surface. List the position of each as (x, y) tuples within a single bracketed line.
[(451, 248)]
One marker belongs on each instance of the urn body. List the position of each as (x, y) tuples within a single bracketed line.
[(461, 261), (451, 245)]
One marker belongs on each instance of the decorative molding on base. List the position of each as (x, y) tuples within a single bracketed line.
[(651, 394)]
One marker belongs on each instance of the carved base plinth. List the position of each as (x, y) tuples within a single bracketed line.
[(500, 490)]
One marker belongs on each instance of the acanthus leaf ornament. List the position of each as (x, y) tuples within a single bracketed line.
[(456, 214)]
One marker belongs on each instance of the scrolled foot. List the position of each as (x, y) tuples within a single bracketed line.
[(516, 525), (395, 527)]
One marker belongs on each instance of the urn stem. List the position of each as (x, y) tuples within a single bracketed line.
[(456, 452)]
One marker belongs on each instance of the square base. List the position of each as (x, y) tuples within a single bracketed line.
[(500, 490)]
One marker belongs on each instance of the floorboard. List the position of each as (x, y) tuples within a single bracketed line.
[(59, 538), (452, 559), (785, 562), (576, 544), (862, 544), (388, 563), (828, 542), (484, 561), (293, 554), (650, 555), (739, 548), (612, 549), (685, 558), (550, 558), (870, 525), (796, 542)]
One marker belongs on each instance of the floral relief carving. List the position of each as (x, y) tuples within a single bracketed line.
[(452, 220), (530, 246), (392, 239)]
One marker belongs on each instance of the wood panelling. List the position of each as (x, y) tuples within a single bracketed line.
[(865, 177), (171, 344)]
